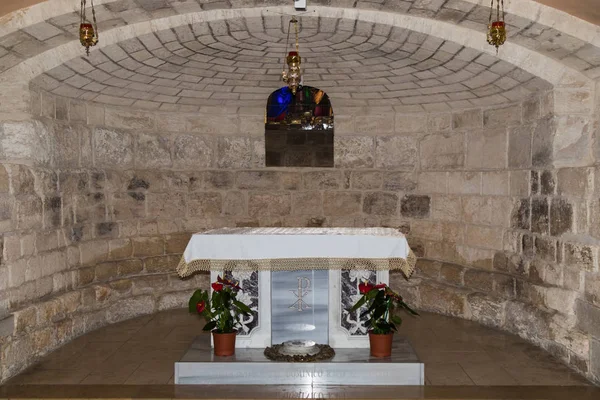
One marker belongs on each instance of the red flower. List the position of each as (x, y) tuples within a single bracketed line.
[(228, 282), (366, 287), (217, 287), (380, 286), (200, 307)]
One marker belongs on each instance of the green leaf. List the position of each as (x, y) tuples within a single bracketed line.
[(358, 304), (396, 319), (195, 299), (242, 307), (210, 326), (379, 312)]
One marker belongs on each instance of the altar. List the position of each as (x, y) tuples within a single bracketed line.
[(300, 282)]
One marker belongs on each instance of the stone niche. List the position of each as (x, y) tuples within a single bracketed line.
[(93, 229), (299, 128)]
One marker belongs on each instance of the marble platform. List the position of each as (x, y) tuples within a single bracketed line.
[(249, 366)]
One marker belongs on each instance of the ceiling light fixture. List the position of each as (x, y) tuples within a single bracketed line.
[(293, 76), (496, 35), (88, 32)]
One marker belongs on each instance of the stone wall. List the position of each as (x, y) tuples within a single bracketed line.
[(96, 224)]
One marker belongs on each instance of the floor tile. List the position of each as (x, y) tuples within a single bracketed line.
[(447, 374)]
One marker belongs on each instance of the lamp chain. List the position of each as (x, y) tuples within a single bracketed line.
[(94, 19)]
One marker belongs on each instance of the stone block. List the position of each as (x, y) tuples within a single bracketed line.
[(395, 152), (129, 308), (464, 182), (580, 255), (428, 268), (93, 252), (213, 123), (426, 230), (442, 152), (274, 204), (148, 246), (482, 149), (129, 205), (439, 122), (164, 264), (443, 299), (205, 204), (307, 203), (354, 151), (545, 248), (519, 146), (547, 183), (561, 217), (319, 180), (341, 203), (484, 237), (234, 152), (588, 317), (521, 214), (113, 148), (432, 182), (257, 179), (542, 144), (539, 216), (120, 249), (574, 182), (479, 280), (502, 116), (234, 203), (411, 123), (366, 180), (561, 300), (218, 179), (531, 109), (29, 209), (192, 152), (152, 151), (67, 145), (485, 310), (572, 142), (527, 321), (169, 301), (452, 274), (595, 358), (30, 140), (467, 119), (166, 205), (176, 243), (519, 183), (476, 210), (494, 183), (381, 203), (446, 208), (129, 119), (291, 180), (415, 206)]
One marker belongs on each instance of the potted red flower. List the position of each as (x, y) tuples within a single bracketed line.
[(222, 311), (380, 302)]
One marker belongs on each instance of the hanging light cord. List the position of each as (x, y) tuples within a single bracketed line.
[(84, 18), (287, 41)]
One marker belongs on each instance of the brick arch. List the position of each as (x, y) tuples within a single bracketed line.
[(15, 80)]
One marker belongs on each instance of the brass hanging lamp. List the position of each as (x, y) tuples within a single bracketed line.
[(496, 35), (88, 31), (293, 76)]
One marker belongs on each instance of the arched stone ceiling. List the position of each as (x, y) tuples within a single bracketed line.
[(397, 67), (239, 62)]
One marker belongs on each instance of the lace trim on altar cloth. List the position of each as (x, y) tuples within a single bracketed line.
[(407, 266), (306, 231)]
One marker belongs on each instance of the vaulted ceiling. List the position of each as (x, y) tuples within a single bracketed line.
[(588, 10)]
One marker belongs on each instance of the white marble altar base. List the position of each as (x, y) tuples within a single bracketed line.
[(349, 366)]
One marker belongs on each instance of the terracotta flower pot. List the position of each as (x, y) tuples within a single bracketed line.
[(224, 343), (381, 344)]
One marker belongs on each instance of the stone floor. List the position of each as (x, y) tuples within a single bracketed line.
[(142, 352)]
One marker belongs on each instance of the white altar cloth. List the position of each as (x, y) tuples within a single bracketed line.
[(282, 248)]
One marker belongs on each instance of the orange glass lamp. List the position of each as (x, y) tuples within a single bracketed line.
[(88, 32), (496, 35)]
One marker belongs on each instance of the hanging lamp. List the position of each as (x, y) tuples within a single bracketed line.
[(496, 35), (88, 31), (293, 76)]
